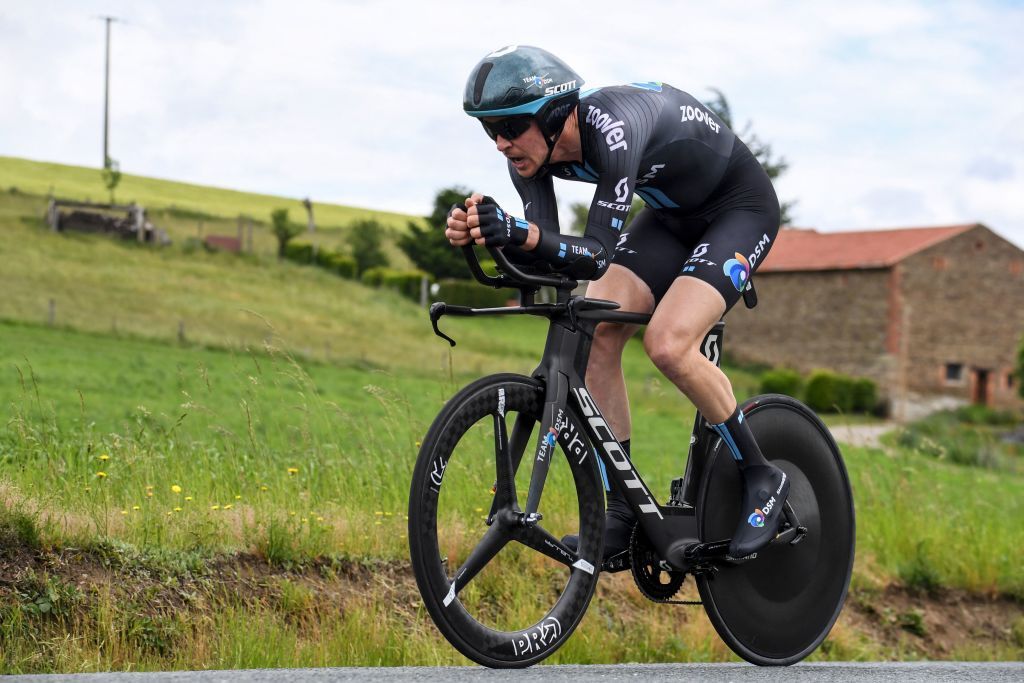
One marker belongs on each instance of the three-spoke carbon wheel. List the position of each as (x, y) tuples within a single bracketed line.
[(502, 588), (775, 609)]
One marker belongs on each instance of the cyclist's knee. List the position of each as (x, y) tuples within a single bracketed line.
[(673, 351), (611, 338)]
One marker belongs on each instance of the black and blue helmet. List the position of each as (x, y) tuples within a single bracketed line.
[(520, 80)]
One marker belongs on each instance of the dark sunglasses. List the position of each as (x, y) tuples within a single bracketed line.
[(509, 128)]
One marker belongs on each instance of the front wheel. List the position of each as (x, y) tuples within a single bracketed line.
[(777, 608), (503, 589)]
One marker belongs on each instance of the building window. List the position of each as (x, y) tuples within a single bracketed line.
[(954, 373)]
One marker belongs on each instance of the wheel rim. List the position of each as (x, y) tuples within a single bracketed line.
[(492, 618), (777, 608)]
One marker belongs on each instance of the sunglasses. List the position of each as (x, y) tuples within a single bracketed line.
[(509, 128)]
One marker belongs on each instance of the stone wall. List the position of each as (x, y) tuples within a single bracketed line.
[(808, 320), (965, 301)]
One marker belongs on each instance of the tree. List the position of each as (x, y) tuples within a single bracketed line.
[(284, 229), (111, 176), (580, 211), (762, 151), (427, 247), (365, 241)]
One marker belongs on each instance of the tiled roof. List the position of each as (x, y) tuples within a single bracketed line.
[(801, 249)]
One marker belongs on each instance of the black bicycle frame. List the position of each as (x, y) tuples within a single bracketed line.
[(672, 528)]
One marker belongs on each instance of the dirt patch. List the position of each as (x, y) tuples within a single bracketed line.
[(893, 622), (945, 624)]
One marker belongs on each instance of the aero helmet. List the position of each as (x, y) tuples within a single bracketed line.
[(520, 80)]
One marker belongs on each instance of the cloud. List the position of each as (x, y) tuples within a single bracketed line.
[(886, 111)]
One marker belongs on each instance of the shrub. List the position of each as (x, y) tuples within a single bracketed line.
[(983, 415), (864, 395), (365, 237), (343, 265), (821, 392), (471, 293), (407, 282), (372, 277), (781, 381), (300, 252)]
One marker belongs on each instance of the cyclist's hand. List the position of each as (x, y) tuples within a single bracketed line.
[(491, 226), (457, 230)]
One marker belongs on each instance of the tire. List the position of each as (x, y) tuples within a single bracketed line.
[(777, 608), (529, 596)]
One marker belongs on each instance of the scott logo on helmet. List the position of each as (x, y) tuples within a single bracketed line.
[(560, 88)]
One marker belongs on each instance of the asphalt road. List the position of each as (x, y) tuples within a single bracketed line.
[(916, 672)]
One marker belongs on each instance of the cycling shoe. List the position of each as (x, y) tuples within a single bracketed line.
[(618, 528), (765, 488)]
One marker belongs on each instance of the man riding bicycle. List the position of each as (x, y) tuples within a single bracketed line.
[(711, 216)]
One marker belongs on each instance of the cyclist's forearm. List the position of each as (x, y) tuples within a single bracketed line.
[(583, 258)]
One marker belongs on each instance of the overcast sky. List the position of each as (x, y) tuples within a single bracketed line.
[(889, 113)]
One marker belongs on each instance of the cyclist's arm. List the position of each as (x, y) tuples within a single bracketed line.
[(540, 209), (616, 161)]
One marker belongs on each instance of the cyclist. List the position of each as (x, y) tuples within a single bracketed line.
[(711, 216)]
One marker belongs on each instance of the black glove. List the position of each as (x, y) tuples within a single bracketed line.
[(499, 228)]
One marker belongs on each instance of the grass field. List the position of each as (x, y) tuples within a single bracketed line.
[(281, 432), (81, 183)]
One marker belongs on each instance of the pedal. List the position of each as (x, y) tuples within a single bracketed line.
[(619, 562)]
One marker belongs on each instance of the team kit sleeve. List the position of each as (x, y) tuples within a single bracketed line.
[(614, 137)]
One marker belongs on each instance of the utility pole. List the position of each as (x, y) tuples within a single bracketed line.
[(106, 95)]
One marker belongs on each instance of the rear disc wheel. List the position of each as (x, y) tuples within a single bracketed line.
[(777, 608)]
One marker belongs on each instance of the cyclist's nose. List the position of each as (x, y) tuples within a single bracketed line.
[(502, 144)]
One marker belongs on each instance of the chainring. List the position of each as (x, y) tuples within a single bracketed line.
[(657, 583)]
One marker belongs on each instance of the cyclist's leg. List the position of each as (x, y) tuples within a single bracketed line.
[(645, 262), (710, 283), (604, 371)]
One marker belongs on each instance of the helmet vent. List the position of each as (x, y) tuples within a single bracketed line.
[(512, 95), (481, 77)]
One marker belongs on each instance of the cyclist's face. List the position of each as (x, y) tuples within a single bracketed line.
[(526, 152)]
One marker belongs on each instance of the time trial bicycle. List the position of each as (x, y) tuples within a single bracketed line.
[(503, 588)]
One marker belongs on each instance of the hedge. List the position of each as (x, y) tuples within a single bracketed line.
[(405, 282), (471, 293), (300, 252), (781, 381), (830, 392)]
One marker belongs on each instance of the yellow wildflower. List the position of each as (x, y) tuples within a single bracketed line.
[(175, 489), (136, 507), (104, 457), (228, 506), (293, 470), (101, 475), (124, 512), (177, 509), (215, 507), (264, 488), (238, 498), (187, 498)]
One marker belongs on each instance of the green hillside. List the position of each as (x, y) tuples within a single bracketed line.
[(82, 183), (173, 418)]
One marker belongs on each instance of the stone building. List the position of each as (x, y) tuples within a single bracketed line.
[(928, 313)]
